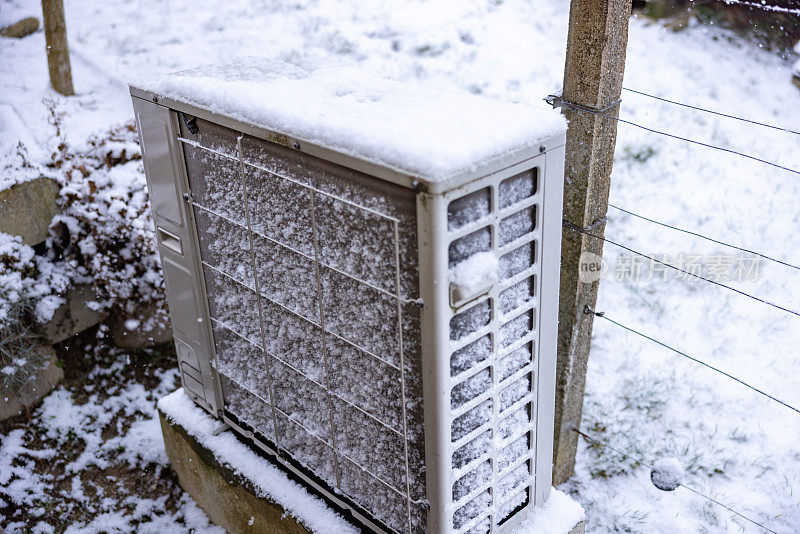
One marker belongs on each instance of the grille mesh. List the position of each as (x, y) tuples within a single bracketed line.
[(311, 276), (492, 356)]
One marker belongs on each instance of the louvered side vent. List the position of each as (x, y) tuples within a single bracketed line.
[(311, 275), (492, 363)]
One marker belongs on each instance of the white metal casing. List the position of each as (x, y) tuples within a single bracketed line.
[(180, 248)]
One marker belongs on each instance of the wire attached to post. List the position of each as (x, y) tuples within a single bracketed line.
[(589, 311), (576, 228), (560, 102), (557, 101)]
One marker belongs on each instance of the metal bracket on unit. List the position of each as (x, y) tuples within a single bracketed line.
[(459, 296), (220, 429), (190, 123)]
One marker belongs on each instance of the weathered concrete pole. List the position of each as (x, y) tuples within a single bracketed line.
[(598, 36), (55, 33)]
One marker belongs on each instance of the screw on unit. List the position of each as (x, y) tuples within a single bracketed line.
[(155, 99), (186, 197), (297, 145), (190, 123), (541, 149)]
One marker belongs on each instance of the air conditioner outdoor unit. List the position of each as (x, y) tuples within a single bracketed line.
[(363, 280)]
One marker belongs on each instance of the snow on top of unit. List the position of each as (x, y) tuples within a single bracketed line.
[(271, 481), (426, 132)]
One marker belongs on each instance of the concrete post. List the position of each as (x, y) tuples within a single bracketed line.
[(55, 33), (598, 36)]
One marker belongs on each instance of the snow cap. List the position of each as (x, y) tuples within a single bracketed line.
[(429, 133)]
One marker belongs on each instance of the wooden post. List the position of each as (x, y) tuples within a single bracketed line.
[(55, 32), (598, 36)]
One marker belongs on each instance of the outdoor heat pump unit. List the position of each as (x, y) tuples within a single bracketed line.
[(362, 277)]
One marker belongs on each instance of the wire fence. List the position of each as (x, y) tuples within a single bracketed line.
[(692, 358), (584, 231), (557, 101), (701, 236), (719, 113), (596, 231)]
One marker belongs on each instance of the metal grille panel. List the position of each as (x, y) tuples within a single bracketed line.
[(310, 272), (492, 359)]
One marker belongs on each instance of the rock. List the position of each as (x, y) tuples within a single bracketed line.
[(660, 9), (680, 21), (21, 28), (72, 317), (26, 209), (148, 326), (15, 403)]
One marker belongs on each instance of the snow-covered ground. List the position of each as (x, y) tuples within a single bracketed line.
[(646, 401), (92, 459)]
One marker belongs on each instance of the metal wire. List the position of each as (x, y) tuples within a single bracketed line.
[(402, 368), (258, 291), (583, 109), (580, 230), (676, 351), (704, 237), (228, 328), (696, 492), (303, 254), (195, 144), (749, 121), (313, 434)]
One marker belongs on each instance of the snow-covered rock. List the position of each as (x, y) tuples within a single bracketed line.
[(667, 474)]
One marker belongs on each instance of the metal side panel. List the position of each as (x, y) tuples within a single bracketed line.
[(166, 181), (552, 214), (432, 237), (478, 381)]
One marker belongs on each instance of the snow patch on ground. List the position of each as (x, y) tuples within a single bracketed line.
[(558, 516)]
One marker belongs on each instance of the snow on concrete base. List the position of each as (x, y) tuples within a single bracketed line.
[(272, 483), (559, 515)]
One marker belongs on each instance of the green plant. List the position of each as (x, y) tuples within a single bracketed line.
[(19, 358)]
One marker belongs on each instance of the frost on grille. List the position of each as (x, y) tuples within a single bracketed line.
[(311, 276), (493, 355)]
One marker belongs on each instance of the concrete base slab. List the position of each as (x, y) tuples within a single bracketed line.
[(242, 491), (33, 391), (230, 501)]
